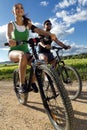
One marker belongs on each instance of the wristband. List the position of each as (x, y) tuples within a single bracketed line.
[(33, 27)]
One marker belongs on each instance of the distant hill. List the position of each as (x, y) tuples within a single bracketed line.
[(79, 56), (6, 62)]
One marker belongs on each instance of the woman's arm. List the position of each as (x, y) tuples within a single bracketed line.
[(40, 31), (9, 30), (8, 35)]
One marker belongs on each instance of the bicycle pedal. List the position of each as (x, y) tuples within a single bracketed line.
[(67, 81), (17, 86), (30, 90)]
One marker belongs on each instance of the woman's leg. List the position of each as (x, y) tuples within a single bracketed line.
[(19, 56)]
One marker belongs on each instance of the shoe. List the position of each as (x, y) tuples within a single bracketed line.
[(34, 87), (22, 89)]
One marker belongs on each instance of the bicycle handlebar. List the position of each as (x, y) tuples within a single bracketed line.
[(6, 44), (17, 43), (31, 42), (55, 47)]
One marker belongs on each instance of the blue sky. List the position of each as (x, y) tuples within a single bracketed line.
[(68, 17)]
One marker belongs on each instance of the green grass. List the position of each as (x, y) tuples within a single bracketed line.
[(80, 65), (6, 70)]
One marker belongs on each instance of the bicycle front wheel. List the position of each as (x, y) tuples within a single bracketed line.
[(22, 97), (55, 100), (72, 81)]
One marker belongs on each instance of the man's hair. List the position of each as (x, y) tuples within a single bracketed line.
[(47, 21)]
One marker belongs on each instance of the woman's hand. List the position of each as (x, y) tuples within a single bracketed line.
[(12, 43)]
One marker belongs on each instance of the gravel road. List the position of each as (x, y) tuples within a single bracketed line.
[(14, 116)]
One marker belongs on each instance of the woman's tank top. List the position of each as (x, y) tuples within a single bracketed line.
[(20, 35)]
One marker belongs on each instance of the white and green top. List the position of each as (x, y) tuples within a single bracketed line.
[(20, 33)]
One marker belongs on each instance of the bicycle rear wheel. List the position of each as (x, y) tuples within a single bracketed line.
[(55, 100), (72, 81), (22, 97)]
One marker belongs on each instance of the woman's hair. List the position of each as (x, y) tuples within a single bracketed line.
[(25, 18)]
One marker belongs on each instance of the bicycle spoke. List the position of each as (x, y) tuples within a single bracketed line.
[(72, 82)]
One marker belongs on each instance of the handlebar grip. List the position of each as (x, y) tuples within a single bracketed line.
[(6, 44), (17, 43), (55, 47)]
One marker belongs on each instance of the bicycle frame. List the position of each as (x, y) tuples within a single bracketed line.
[(60, 64), (54, 97), (34, 71), (69, 76)]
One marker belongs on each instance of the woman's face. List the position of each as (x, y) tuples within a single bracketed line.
[(18, 10)]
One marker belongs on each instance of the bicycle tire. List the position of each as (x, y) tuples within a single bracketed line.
[(22, 97), (73, 83), (63, 112)]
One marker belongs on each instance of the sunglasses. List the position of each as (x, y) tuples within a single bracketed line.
[(48, 24)]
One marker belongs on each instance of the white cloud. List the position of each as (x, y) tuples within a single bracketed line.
[(77, 49), (4, 55), (81, 15), (3, 29), (66, 17), (74, 50), (2, 35), (68, 3), (65, 3), (44, 3), (61, 29), (57, 28), (82, 2), (61, 14), (70, 31)]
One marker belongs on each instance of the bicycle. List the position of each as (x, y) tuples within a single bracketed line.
[(69, 75), (53, 94)]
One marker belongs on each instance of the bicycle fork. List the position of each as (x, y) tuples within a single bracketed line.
[(65, 75)]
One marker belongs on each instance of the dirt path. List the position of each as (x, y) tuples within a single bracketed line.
[(14, 116)]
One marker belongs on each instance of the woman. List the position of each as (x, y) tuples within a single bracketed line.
[(45, 45), (19, 30)]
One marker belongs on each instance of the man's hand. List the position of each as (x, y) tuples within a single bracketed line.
[(48, 47), (66, 47)]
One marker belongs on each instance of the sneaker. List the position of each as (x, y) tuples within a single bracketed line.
[(34, 87), (22, 89)]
